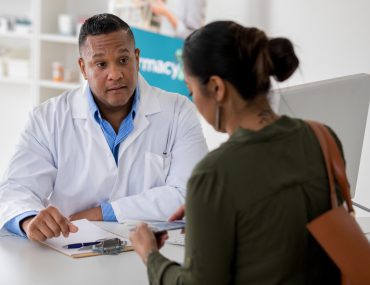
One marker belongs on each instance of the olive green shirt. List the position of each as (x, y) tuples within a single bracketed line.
[(247, 206)]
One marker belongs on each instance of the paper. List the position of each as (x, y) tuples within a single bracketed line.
[(87, 232)]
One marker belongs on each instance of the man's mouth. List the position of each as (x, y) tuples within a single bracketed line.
[(116, 87)]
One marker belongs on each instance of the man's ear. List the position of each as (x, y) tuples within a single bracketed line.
[(81, 63), (216, 86), (137, 57)]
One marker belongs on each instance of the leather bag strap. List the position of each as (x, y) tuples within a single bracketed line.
[(334, 162)]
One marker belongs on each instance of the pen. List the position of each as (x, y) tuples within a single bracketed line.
[(79, 245)]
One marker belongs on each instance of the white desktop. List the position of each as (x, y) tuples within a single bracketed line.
[(343, 104), (23, 262)]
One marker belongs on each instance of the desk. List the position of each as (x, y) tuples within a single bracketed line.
[(23, 262)]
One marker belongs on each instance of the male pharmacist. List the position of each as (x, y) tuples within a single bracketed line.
[(116, 149)]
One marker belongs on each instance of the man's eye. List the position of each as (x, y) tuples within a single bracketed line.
[(101, 64), (124, 60)]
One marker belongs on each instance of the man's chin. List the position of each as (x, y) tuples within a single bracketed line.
[(119, 103)]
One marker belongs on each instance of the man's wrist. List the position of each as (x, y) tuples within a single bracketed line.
[(24, 223)]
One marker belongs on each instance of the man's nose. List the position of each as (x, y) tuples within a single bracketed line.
[(115, 73)]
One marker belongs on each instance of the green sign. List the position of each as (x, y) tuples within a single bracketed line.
[(160, 61)]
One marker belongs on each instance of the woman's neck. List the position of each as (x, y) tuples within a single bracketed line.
[(253, 115)]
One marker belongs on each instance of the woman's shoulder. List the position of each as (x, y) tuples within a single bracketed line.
[(215, 160)]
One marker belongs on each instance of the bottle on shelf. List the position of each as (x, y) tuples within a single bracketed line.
[(58, 72), (65, 25)]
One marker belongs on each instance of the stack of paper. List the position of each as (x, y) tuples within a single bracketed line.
[(87, 232)]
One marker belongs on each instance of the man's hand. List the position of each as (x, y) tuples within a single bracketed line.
[(47, 224), (178, 215), (93, 214)]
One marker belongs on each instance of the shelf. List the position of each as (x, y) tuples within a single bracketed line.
[(55, 38), (59, 85), (13, 35), (9, 80)]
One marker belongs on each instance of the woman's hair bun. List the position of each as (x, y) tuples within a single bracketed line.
[(283, 58)]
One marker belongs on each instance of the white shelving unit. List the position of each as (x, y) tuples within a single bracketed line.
[(45, 45), (9, 81), (53, 38), (13, 35), (42, 46), (58, 85)]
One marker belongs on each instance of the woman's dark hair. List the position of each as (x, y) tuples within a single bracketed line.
[(102, 24), (245, 57)]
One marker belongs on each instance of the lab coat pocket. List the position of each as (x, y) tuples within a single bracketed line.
[(154, 170)]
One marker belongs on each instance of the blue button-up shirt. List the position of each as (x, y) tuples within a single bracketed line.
[(125, 128), (114, 140)]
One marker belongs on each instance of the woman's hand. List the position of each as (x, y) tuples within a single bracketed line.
[(145, 242)]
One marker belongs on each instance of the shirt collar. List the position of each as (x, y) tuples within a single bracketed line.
[(95, 110)]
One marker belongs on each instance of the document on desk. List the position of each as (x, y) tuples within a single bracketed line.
[(87, 232)]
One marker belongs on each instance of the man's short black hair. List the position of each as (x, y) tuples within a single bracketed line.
[(102, 24)]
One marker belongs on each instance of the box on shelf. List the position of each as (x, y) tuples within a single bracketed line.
[(3, 53), (65, 25), (18, 64), (18, 25), (2, 67), (18, 68), (4, 24), (22, 26)]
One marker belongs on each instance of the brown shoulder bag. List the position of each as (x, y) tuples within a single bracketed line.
[(337, 230)]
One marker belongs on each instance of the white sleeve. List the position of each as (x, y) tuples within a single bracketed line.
[(159, 203), (31, 173), (194, 18)]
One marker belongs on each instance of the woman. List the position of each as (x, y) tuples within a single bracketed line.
[(249, 201)]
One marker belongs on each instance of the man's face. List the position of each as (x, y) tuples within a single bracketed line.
[(110, 63)]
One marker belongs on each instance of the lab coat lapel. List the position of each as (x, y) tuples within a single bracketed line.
[(81, 115), (148, 104)]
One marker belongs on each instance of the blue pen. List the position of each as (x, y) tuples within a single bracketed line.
[(79, 245)]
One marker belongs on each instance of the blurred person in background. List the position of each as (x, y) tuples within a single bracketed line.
[(179, 18)]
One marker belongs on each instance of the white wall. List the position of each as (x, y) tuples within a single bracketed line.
[(332, 37)]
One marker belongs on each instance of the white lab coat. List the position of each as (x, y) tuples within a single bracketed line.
[(63, 159)]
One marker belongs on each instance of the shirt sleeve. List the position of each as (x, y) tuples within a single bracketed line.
[(209, 238), (107, 212), (14, 226)]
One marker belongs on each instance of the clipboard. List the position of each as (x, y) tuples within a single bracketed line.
[(87, 231)]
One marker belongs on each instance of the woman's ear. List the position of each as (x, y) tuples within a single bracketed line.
[(216, 87)]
